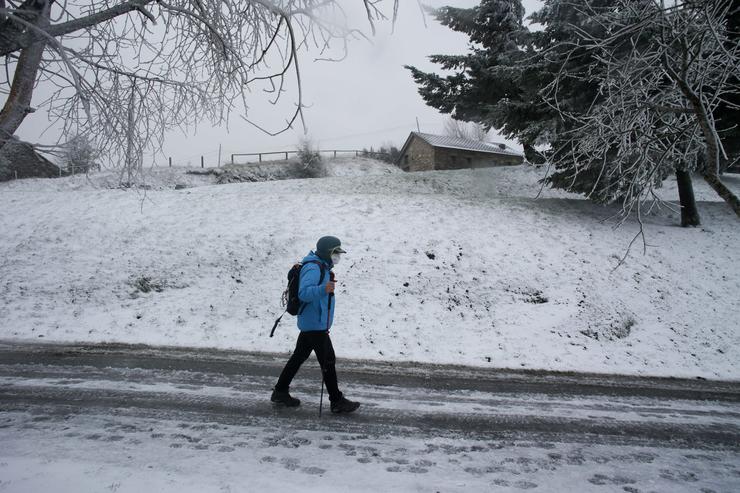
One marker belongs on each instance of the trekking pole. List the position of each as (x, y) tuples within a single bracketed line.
[(326, 346)]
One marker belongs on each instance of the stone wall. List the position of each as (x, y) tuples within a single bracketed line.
[(446, 158), (419, 156)]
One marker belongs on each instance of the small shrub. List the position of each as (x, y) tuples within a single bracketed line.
[(80, 155), (310, 164), (623, 328), (146, 284)]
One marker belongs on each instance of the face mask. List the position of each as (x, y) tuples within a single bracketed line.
[(335, 258)]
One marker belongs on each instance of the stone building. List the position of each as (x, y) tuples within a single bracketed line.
[(424, 152)]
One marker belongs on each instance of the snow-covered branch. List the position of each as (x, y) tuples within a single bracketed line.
[(183, 60), (661, 74)]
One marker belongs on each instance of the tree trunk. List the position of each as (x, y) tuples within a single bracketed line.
[(689, 211), (722, 190), (712, 159), (18, 104), (711, 168)]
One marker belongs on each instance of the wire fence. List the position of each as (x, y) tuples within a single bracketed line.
[(68, 170), (286, 154), (268, 157)]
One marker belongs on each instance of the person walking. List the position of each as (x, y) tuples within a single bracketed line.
[(315, 316)]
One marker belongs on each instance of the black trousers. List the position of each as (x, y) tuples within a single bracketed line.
[(320, 343)]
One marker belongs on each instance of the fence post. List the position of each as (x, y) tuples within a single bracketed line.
[(232, 159), (170, 161), (202, 164), (16, 174), (260, 157), (286, 156)]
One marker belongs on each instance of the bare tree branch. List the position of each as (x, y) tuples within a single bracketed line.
[(170, 63)]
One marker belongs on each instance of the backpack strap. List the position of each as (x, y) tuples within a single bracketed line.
[(322, 268), (321, 278), (323, 271)]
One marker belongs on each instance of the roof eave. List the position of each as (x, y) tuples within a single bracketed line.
[(501, 153)]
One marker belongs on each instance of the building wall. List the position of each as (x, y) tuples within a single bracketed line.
[(422, 156), (459, 159), (419, 156)]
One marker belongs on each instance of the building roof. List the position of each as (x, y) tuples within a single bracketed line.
[(466, 144)]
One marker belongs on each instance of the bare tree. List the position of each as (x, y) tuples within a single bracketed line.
[(124, 72), (661, 71), (465, 130)]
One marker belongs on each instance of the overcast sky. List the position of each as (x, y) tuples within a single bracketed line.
[(365, 100)]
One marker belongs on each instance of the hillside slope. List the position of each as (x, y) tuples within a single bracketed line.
[(462, 267)]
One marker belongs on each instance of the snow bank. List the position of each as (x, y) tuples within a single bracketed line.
[(462, 267)]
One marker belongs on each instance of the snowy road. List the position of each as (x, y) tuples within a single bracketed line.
[(122, 418)]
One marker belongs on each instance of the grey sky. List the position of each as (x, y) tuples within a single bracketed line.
[(365, 100)]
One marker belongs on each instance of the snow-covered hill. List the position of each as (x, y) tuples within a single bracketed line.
[(180, 177), (461, 267)]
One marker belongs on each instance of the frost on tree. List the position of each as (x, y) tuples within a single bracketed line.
[(123, 73), (620, 94), (666, 83)]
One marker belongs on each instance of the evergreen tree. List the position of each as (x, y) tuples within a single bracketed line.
[(539, 87), (498, 83)]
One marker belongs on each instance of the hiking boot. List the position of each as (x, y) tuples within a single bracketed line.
[(343, 405), (284, 398)]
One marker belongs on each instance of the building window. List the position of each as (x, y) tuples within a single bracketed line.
[(470, 161), (453, 159), (406, 159)]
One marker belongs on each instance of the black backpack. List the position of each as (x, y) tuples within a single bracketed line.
[(290, 300)]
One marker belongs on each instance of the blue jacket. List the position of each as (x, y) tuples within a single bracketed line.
[(313, 313)]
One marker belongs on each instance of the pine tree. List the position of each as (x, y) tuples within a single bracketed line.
[(498, 83), (540, 86)]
